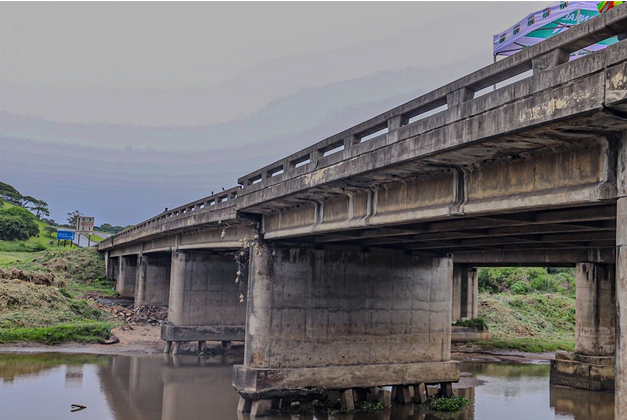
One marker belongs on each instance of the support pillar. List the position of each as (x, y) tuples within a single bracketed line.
[(344, 320), (127, 274), (591, 366), (620, 395), (153, 280), (465, 292), (204, 302)]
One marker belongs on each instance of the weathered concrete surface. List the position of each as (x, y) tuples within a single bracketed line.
[(277, 382), (573, 371), (345, 319), (595, 313), (203, 294), (127, 275), (465, 334), (153, 280), (202, 333), (621, 309), (465, 291), (208, 211), (591, 366)]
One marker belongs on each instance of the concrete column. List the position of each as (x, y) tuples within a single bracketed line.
[(107, 264), (204, 302), (344, 320), (140, 281), (591, 366), (153, 280), (595, 313), (465, 291), (127, 276), (621, 311)]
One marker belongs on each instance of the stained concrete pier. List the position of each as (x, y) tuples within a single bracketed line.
[(204, 300), (342, 319)]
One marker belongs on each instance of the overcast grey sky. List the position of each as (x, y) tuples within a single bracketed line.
[(121, 109)]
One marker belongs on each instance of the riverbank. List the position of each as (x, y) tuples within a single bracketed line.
[(145, 339)]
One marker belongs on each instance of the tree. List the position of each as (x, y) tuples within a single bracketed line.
[(17, 223), (13, 196), (10, 193), (72, 216), (51, 231), (40, 207)]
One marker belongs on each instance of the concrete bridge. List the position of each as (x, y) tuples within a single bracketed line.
[(354, 255)]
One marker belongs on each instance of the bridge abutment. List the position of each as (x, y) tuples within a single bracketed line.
[(591, 366), (153, 280), (204, 299), (341, 320)]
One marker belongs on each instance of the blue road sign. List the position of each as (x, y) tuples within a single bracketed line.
[(65, 235)]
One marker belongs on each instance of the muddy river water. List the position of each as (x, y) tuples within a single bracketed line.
[(159, 387)]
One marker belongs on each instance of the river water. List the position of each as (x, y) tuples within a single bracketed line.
[(166, 387)]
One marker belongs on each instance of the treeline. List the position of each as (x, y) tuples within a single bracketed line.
[(524, 280)]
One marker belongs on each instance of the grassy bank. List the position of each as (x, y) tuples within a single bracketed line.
[(78, 270), (534, 322), (56, 313)]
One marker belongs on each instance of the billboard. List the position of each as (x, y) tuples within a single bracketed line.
[(546, 23)]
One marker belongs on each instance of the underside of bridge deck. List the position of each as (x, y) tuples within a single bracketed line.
[(555, 237)]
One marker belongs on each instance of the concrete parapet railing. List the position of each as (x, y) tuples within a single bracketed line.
[(212, 203), (356, 140)]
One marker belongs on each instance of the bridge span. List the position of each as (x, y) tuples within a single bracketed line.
[(354, 255)]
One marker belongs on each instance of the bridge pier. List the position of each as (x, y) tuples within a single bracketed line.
[(591, 366), (112, 267), (153, 280), (204, 300), (465, 291), (127, 274), (342, 320), (621, 302)]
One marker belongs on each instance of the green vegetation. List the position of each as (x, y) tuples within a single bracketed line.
[(44, 314), (54, 314), (17, 223), (79, 270), (523, 280), (39, 242), (534, 322), (528, 309), (445, 404), (9, 259), (478, 324)]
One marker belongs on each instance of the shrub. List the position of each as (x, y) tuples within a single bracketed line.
[(520, 288), (17, 223)]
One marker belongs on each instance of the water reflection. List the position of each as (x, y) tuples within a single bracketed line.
[(37, 386)]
